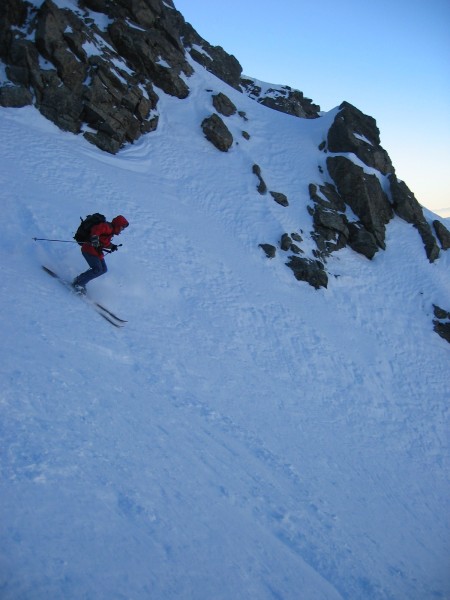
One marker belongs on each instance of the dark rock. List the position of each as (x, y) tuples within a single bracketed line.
[(293, 103), (330, 219), (327, 241), (328, 197), (118, 123), (103, 141), (364, 194), (283, 99), (362, 241), (15, 96), (13, 14), (330, 225), (55, 43), (23, 68), (443, 329), (262, 187), (100, 6), (409, 209), (150, 125), (429, 241), (246, 135), (143, 12), (145, 50), (353, 131), (442, 233), (75, 88), (280, 198), (117, 110), (214, 58), (440, 313), (442, 322), (311, 271), (269, 250), (60, 105), (223, 105), (286, 242), (287, 245), (217, 133), (404, 202)]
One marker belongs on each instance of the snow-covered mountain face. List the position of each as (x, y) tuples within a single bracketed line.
[(245, 435)]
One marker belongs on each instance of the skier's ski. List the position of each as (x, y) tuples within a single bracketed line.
[(99, 308), (110, 319), (110, 313)]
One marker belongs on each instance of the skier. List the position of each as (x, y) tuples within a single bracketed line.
[(100, 239)]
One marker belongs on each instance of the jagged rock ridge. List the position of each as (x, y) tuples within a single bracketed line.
[(370, 188), (93, 70)]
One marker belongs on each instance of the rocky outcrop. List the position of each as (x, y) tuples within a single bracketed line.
[(82, 75), (96, 75), (443, 234), (362, 241), (309, 270), (281, 98), (329, 219), (214, 58), (326, 195), (100, 80), (15, 96), (373, 197), (353, 131), (262, 187), (224, 105), (356, 133), (13, 16), (156, 59), (280, 198), (363, 194), (217, 132), (442, 322), (287, 243), (408, 208), (269, 250)]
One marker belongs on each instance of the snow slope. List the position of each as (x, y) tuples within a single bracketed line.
[(244, 436)]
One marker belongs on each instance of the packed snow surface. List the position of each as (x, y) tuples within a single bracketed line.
[(244, 436)]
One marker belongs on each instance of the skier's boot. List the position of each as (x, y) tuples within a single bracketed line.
[(78, 289)]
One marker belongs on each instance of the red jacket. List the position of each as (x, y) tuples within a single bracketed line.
[(105, 232)]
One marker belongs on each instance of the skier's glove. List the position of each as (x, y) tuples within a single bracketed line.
[(95, 241), (113, 247)]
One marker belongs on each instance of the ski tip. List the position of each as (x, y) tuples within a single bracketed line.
[(112, 321), (108, 312)]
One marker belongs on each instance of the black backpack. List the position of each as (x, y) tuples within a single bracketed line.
[(83, 233)]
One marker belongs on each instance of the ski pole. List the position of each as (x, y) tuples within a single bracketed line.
[(68, 242), (47, 240)]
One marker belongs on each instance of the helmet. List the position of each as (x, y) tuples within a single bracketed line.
[(119, 223)]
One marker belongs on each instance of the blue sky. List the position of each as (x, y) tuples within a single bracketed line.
[(391, 59)]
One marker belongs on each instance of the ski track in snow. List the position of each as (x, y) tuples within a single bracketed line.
[(245, 436)]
